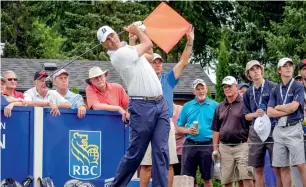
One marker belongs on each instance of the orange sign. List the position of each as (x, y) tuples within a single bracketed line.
[(165, 27)]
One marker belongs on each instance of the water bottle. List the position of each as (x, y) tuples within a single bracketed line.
[(263, 106), (217, 164), (196, 126), (27, 181)]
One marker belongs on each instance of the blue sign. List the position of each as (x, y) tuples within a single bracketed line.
[(84, 154), (16, 144), (89, 148)]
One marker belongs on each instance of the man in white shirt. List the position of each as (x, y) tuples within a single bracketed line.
[(61, 83), (149, 116), (40, 96)]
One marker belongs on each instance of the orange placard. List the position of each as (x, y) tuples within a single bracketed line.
[(165, 27)]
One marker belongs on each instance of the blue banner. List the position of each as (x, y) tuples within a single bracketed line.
[(89, 148), (16, 142)]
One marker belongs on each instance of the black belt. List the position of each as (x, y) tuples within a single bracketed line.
[(158, 98), (232, 144), (198, 142), (292, 123)]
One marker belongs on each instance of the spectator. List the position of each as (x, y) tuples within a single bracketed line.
[(61, 83), (11, 100), (195, 122), (255, 102), (180, 139), (231, 131), (299, 78), (11, 85), (40, 96), (297, 180), (102, 95), (168, 81), (287, 103), (242, 88)]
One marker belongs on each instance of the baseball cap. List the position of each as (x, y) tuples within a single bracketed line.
[(40, 74), (157, 56), (298, 77), (60, 72), (198, 81), (302, 64), (250, 64), (283, 61), (229, 80), (3, 79), (243, 84), (103, 32)]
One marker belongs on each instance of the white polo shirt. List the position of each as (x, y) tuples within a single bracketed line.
[(136, 72), (52, 96)]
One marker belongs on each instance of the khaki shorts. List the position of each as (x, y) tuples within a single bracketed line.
[(234, 163), (147, 159)]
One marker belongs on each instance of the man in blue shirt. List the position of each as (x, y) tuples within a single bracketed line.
[(168, 81), (61, 83), (287, 103), (255, 101), (195, 122)]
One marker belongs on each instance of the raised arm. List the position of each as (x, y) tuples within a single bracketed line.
[(180, 66), (148, 54)]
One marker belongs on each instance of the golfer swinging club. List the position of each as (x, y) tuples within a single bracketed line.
[(149, 118)]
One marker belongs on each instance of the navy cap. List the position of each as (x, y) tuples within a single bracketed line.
[(243, 84)]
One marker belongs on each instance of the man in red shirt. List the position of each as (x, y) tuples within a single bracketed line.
[(11, 85), (102, 95)]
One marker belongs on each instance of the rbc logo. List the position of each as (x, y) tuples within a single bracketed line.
[(84, 154)]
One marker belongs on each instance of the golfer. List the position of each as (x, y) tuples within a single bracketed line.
[(149, 116)]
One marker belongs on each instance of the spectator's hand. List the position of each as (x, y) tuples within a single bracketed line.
[(125, 114), (133, 29), (81, 111), (193, 131), (24, 102), (190, 35), (259, 112), (277, 107), (8, 110), (54, 109)]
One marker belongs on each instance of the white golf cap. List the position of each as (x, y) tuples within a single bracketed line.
[(283, 61), (60, 72), (229, 80), (262, 126), (103, 32), (157, 56), (198, 81)]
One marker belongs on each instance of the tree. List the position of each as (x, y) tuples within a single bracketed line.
[(24, 35), (247, 33), (222, 69), (288, 38)]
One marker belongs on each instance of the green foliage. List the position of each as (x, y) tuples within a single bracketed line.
[(222, 70), (216, 182), (288, 38), (75, 90)]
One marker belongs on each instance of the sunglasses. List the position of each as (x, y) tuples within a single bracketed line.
[(11, 79)]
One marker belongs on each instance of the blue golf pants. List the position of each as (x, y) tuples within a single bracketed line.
[(149, 121)]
